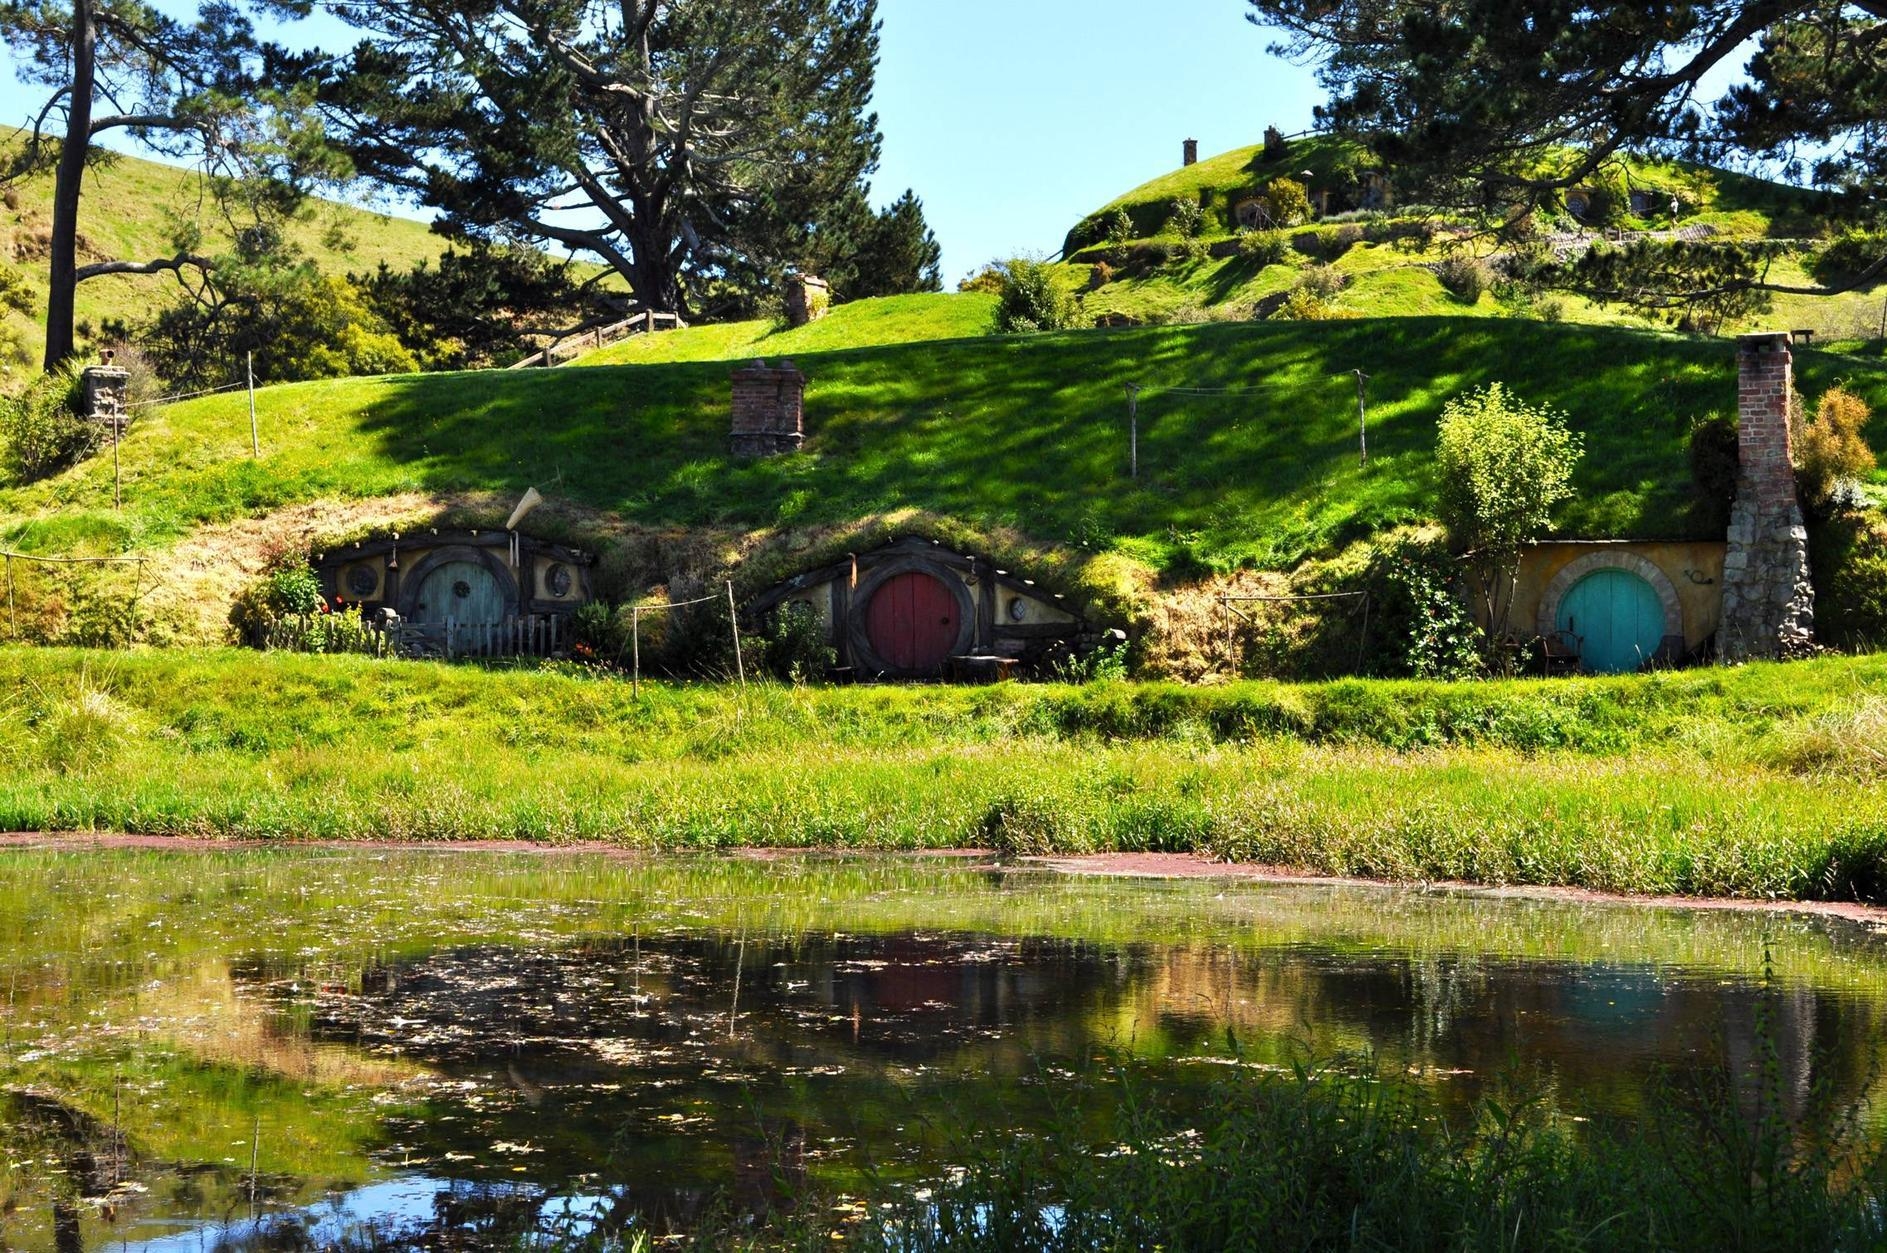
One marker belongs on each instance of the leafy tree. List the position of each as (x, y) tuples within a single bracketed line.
[(201, 89), (1510, 103), (1502, 466), (294, 321), (1286, 201), (481, 305), (693, 146)]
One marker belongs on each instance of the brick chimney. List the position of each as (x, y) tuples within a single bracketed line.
[(1189, 152), (769, 410), (1768, 601), (808, 298)]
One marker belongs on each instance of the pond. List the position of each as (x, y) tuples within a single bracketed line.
[(273, 1048)]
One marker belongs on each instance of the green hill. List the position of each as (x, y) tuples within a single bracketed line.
[(128, 212), (1025, 434), (1388, 258)]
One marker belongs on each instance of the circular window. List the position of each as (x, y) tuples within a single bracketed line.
[(462, 590), (362, 581), (557, 580), (1018, 609)]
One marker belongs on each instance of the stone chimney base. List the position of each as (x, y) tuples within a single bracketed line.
[(769, 410)]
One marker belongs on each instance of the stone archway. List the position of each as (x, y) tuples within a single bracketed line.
[(1577, 569)]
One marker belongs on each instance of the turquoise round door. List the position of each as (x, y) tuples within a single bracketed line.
[(464, 591), (1618, 619)]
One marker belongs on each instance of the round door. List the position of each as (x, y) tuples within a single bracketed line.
[(1617, 618), (913, 622), (463, 591)]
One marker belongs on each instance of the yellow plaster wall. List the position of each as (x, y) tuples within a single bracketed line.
[(1694, 567)]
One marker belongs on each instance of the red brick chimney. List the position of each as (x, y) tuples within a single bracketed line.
[(1189, 152), (1768, 600), (769, 410)]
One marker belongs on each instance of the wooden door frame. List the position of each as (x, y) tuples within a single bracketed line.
[(413, 580)]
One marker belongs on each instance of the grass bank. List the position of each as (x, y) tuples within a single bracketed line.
[(1753, 782), (1022, 433)]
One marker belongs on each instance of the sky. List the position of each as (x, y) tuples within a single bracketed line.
[(1013, 120)]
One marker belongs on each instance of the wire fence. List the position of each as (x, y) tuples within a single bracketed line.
[(8, 558), (635, 634), (1231, 603)]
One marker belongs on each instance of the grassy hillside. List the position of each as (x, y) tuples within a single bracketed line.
[(1026, 432), (1392, 273), (128, 211), (861, 324)]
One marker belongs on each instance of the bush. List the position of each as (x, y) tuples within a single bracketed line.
[(1428, 631), (1847, 256), (1324, 282), (988, 279), (1714, 462), (1033, 298), (1116, 226), (1848, 561), (42, 430), (291, 589), (1286, 201), (1830, 449), (1303, 305), (1465, 277), (1185, 218), (795, 647), (1264, 247)]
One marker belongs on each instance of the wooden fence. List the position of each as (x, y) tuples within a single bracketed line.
[(534, 635), (643, 323)]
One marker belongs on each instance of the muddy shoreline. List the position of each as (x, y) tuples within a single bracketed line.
[(1122, 865)]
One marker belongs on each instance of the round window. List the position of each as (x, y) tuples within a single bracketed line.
[(462, 590), (1018, 609), (362, 581), (557, 580)]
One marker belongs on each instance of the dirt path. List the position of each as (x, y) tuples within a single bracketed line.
[(1120, 865)]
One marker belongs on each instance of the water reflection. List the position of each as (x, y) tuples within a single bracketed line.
[(256, 1088)]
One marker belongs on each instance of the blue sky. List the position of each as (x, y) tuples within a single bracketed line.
[(1012, 120)]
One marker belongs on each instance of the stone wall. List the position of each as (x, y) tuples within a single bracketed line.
[(1768, 602), (107, 390), (769, 410)]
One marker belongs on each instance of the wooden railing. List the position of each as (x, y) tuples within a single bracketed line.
[(563, 350)]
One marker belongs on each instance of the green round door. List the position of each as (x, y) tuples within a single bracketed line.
[(463, 591), (1618, 619)]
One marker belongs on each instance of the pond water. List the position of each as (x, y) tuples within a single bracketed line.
[(279, 1048)]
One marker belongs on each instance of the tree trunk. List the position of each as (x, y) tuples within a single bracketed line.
[(68, 182)]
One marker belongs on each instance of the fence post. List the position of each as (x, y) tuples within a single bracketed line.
[(1231, 667), (13, 615), (635, 643), (255, 435), (733, 624)]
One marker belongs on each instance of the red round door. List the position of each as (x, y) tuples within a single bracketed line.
[(912, 622)]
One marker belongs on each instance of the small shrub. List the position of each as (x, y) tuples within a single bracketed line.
[(1033, 298), (1714, 462), (1286, 201), (1264, 248), (988, 279), (1100, 274), (1117, 226), (1324, 282), (795, 645), (1464, 276), (1185, 218), (1830, 449), (1425, 625), (1550, 309), (291, 589), (1106, 663), (83, 730), (1303, 305), (41, 429)]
